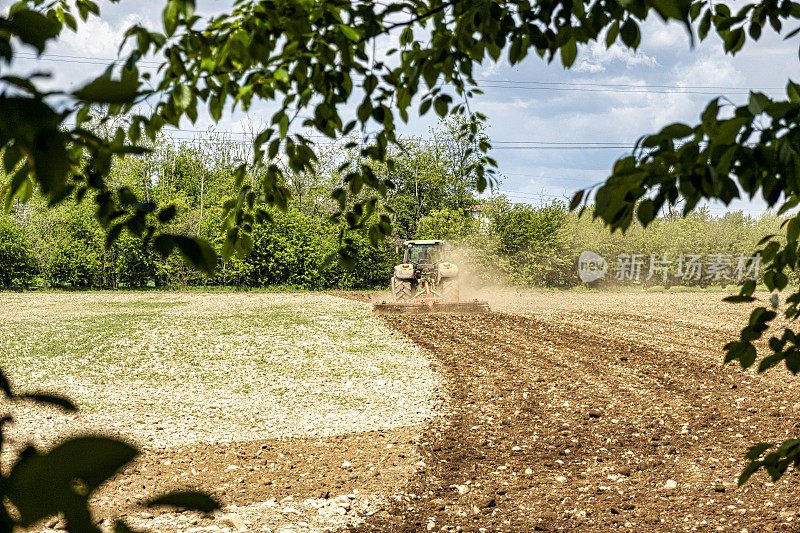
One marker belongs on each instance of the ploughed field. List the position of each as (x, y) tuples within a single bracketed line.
[(558, 411), (597, 412)]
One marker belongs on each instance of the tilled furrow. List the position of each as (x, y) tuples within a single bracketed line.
[(556, 427)]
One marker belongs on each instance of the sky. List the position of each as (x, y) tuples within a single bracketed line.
[(554, 130)]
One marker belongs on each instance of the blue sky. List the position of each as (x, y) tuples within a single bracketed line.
[(610, 96)]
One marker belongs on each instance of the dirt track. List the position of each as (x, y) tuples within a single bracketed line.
[(578, 421)]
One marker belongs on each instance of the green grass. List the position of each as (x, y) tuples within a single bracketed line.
[(315, 346), (276, 289)]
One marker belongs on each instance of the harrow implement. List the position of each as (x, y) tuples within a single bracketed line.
[(426, 301), (431, 306)]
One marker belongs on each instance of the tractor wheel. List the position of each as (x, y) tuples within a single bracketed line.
[(448, 288), (401, 289)]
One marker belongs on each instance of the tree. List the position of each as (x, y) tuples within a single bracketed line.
[(316, 59), (431, 176)]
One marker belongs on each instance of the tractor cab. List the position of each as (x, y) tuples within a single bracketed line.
[(424, 252)]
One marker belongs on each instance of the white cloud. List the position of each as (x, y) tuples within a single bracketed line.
[(588, 66), (97, 38), (494, 67), (596, 58), (712, 69), (657, 36)]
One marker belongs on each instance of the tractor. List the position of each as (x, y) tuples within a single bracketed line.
[(427, 282)]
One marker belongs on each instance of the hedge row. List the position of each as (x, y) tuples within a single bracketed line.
[(294, 250)]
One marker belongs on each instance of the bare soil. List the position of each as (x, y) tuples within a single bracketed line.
[(585, 419), (283, 472), (563, 411)]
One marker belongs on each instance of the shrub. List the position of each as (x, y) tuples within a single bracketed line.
[(17, 262), (135, 265), (77, 256)]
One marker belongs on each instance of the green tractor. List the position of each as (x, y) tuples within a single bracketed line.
[(427, 282), (425, 274)]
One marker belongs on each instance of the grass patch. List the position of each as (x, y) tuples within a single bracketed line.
[(127, 348)]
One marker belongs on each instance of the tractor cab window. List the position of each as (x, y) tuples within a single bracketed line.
[(423, 253)]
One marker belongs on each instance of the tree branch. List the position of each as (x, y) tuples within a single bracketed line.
[(414, 20)]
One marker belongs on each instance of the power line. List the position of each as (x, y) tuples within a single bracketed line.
[(579, 144), (646, 90), (415, 139), (633, 85), (514, 145), (709, 90), (332, 143), (83, 60), (533, 178), (585, 147), (533, 195)]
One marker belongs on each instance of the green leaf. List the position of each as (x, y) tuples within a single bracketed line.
[(170, 16), (283, 126), (113, 234), (197, 253), (425, 105), (21, 83), (793, 229), (33, 28), (705, 25), (216, 105), (197, 501), (757, 103), (164, 244), (630, 33), (440, 106), (364, 111), (748, 357), (734, 40), (350, 33), (738, 299), (282, 75), (770, 361), (793, 91), (35, 127), (612, 34), (754, 30), (576, 200), (749, 470), (104, 90), (748, 287), (569, 52), (167, 214), (673, 9), (677, 131), (646, 211), (182, 97)]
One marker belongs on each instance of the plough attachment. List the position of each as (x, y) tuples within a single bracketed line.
[(431, 306)]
